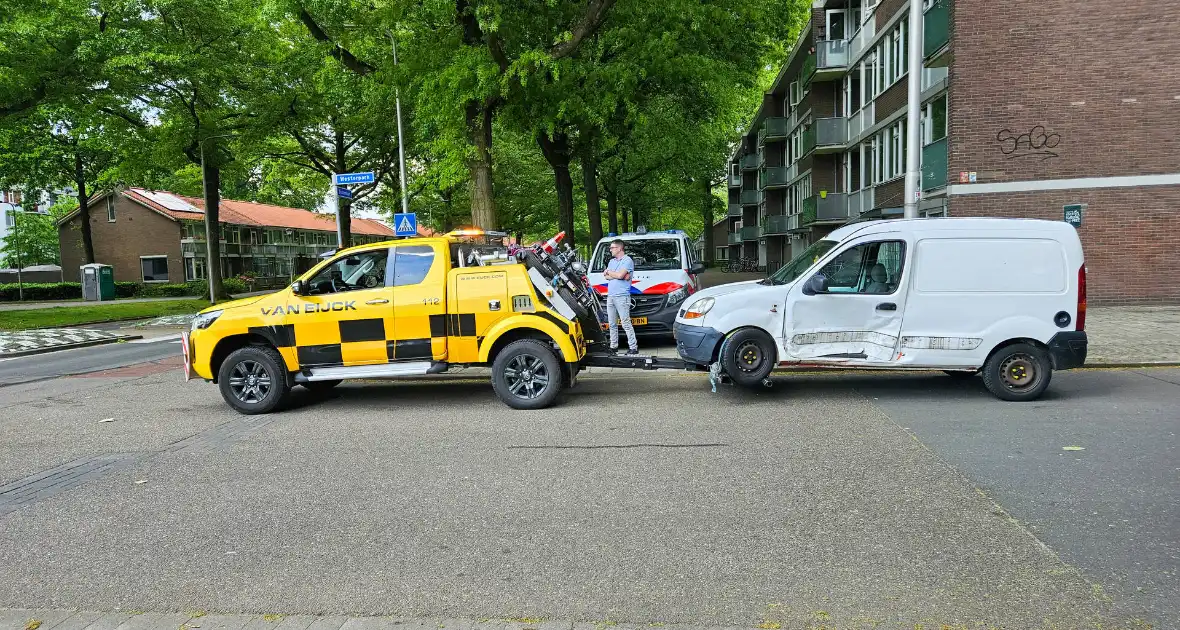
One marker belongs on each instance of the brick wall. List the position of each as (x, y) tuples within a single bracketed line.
[(823, 172), (1129, 236), (824, 98), (136, 232), (894, 98), (887, 9), (890, 194), (1061, 92), (775, 200)]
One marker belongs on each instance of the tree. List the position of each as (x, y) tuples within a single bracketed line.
[(32, 240)]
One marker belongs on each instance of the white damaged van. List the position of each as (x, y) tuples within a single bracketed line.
[(1005, 298)]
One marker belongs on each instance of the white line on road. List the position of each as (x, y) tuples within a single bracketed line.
[(174, 338)]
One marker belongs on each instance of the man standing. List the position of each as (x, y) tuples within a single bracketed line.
[(618, 297)]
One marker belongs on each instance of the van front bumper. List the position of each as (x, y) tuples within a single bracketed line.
[(1068, 350), (696, 344)]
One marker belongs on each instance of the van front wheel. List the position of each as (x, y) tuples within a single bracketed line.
[(748, 356), (1019, 372)]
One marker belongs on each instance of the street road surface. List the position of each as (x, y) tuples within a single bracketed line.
[(645, 498)]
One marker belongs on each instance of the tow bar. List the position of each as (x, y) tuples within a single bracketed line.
[(601, 359)]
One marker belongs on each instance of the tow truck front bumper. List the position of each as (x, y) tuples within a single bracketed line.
[(696, 344)]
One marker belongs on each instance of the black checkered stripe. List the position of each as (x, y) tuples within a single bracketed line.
[(354, 333)]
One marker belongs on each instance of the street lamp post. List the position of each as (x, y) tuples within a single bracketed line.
[(209, 224), (401, 153)]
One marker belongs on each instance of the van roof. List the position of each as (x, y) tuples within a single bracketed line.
[(633, 236), (955, 224)]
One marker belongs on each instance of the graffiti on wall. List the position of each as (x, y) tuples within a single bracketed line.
[(1037, 143)]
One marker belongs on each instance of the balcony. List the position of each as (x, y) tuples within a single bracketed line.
[(832, 208), (751, 197), (773, 129), (862, 121), (775, 225), (735, 181), (831, 58), (934, 165), (807, 215), (808, 140), (936, 33), (776, 176), (735, 210), (865, 35), (751, 233), (750, 162), (860, 202), (831, 134), (735, 238)]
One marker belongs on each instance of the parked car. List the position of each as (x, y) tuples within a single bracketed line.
[(666, 270)]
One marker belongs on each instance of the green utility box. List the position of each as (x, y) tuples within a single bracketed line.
[(98, 282)]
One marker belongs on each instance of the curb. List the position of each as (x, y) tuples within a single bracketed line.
[(68, 346)]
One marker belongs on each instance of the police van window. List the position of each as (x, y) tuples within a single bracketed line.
[(648, 255), (364, 270), (411, 264)]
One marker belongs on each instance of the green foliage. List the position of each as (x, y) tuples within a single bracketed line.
[(32, 240), (73, 290)]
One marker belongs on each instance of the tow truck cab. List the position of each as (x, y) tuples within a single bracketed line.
[(399, 308), (666, 271)]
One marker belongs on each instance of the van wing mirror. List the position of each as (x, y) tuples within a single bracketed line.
[(815, 285), (298, 287), (697, 268)]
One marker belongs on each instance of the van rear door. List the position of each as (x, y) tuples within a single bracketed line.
[(858, 318)]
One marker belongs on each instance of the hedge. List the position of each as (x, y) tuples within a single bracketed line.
[(73, 290)]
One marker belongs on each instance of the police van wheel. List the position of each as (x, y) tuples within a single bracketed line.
[(253, 380), (1018, 373), (527, 375), (748, 356)]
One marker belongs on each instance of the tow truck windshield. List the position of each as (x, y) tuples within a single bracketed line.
[(648, 255), (791, 271)]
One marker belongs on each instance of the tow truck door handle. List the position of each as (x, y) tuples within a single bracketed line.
[(378, 301), (886, 306)]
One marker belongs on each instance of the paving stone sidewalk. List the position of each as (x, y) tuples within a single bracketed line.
[(20, 343)]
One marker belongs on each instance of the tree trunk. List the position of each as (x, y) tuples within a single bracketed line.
[(479, 129), (590, 182), (84, 210), (212, 177), (635, 218), (557, 153), (343, 206), (626, 219), (612, 211), (707, 217)]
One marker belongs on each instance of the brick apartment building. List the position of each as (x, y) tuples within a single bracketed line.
[(153, 236), (1027, 107)]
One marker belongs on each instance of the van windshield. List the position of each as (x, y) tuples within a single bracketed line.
[(792, 270), (648, 255)]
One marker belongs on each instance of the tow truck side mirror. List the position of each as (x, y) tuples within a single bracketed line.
[(297, 287), (816, 284), (697, 268)]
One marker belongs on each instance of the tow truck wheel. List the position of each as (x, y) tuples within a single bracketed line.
[(253, 380), (748, 356), (526, 375)]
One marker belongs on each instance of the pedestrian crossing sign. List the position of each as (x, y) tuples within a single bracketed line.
[(405, 224)]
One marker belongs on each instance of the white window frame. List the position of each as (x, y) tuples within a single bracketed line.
[(111, 209), (795, 93), (152, 256)]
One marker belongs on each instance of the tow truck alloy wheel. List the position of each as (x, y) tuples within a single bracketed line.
[(527, 375)]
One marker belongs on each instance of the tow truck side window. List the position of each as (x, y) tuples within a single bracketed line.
[(363, 270), (411, 264)]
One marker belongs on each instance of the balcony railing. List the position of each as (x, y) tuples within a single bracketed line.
[(750, 233), (860, 202), (776, 176), (831, 54), (807, 215), (735, 238), (735, 181), (830, 132), (773, 129), (750, 162), (810, 63), (735, 210), (775, 224), (934, 165), (751, 197), (832, 207), (936, 28), (864, 36), (808, 139)]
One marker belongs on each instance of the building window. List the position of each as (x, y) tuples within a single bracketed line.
[(154, 268), (898, 43), (111, 208), (722, 253), (934, 120), (194, 269), (232, 235)]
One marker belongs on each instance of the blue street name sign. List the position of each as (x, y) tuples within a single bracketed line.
[(343, 192), (354, 178), (405, 224)]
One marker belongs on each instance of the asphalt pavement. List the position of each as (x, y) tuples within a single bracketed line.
[(841, 501), (50, 365)]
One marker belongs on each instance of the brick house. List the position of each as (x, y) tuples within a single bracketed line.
[(1020, 118), (153, 236)]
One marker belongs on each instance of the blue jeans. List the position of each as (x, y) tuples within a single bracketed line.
[(619, 307)]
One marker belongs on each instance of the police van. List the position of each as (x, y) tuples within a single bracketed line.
[(666, 273), (1002, 298)]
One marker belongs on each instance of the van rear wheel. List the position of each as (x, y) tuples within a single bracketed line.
[(748, 356), (1019, 372)]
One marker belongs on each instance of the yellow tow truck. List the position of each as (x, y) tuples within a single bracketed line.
[(410, 307)]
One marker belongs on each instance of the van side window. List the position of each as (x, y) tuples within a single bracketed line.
[(868, 268)]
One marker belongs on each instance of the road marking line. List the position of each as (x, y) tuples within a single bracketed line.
[(175, 338)]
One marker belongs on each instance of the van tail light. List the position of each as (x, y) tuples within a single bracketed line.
[(1081, 298)]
